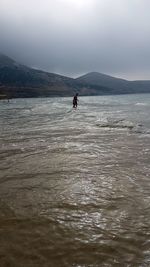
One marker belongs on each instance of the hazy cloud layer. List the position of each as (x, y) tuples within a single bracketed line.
[(72, 37)]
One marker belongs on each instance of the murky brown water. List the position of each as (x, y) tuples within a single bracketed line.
[(75, 185)]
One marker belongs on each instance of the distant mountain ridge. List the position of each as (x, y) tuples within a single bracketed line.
[(96, 78), (17, 80), (20, 81), (116, 84)]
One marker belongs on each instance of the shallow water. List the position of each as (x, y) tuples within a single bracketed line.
[(75, 184)]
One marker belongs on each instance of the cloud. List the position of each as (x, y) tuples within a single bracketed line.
[(73, 37)]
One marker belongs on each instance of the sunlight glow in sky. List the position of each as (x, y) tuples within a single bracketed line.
[(77, 3), (72, 37)]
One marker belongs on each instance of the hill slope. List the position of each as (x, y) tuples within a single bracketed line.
[(97, 78), (17, 80), (21, 81), (117, 85)]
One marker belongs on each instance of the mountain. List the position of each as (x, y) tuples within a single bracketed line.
[(117, 85), (17, 80), (96, 78)]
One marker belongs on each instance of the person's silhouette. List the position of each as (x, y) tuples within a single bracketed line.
[(75, 101)]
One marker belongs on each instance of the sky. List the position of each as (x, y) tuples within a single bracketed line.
[(74, 37)]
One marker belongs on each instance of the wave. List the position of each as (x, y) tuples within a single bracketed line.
[(123, 124), (120, 123), (141, 104)]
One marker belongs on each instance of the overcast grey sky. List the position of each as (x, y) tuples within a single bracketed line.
[(73, 37)]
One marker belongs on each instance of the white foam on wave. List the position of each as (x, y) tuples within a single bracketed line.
[(141, 104), (123, 124)]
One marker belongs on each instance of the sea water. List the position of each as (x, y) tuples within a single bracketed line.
[(75, 183)]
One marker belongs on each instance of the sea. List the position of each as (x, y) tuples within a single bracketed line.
[(75, 183)]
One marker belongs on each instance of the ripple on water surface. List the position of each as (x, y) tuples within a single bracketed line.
[(74, 193)]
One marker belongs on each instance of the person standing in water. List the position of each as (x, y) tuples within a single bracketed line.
[(75, 101)]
